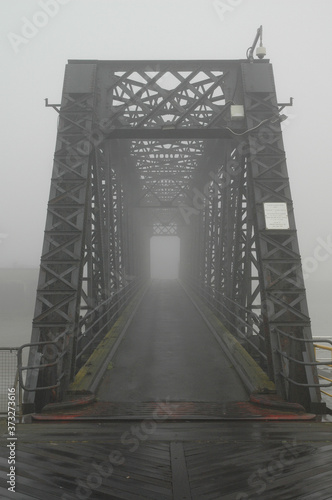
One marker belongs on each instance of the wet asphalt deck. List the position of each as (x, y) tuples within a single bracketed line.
[(169, 352)]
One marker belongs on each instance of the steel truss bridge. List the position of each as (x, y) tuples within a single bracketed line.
[(191, 149)]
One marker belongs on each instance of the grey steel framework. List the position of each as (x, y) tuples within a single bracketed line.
[(163, 148)]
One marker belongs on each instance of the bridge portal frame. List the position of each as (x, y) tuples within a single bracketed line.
[(92, 247)]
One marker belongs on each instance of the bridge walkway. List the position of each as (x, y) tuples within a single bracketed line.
[(172, 421), (169, 352)]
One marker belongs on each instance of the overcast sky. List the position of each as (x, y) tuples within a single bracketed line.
[(39, 36)]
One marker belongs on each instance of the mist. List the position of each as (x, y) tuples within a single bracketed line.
[(164, 257)]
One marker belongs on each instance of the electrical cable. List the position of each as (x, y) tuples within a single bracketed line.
[(251, 129)]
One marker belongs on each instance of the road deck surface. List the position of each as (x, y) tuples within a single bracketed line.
[(169, 352)]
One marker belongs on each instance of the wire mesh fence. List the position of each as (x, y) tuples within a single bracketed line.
[(9, 377)]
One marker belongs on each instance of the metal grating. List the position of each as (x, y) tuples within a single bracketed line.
[(8, 379)]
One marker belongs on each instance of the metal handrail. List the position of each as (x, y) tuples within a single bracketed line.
[(109, 300), (212, 301), (326, 348), (209, 294), (116, 302), (299, 362), (22, 368), (305, 363), (122, 298), (316, 339), (243, 308), (292, 381)]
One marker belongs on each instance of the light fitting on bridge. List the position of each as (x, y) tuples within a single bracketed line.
[(237, 112), (260, 50)]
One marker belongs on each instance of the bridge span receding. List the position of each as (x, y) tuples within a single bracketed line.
[(197, 388), (191, 149)]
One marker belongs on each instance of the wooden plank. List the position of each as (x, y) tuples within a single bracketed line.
[(217, 460), (180, 480), (181, 431)]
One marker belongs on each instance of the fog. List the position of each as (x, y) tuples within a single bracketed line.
[(37, 39), (165, 257)]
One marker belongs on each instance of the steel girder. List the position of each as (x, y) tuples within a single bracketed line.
[(256, 269), (225, 238), (107, 240), (61, 269), (150, 147), (87, 236), (284, 305)]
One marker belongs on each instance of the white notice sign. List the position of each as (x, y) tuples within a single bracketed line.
[(276, 216)]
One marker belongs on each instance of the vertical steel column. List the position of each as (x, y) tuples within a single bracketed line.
[(282, 289), (120, 215), (60, 279)]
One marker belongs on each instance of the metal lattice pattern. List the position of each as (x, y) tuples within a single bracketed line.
[(144, 98), (166, 170), (150, 148), (284, 300)]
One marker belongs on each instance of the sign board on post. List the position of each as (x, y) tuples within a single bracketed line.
[(276, 216)]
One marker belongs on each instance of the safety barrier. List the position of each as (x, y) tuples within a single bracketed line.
[(242, 322), (49, 356), (248, 328), (9, 379), (328, 349), (53, 359), (94, 326), (305, 363)]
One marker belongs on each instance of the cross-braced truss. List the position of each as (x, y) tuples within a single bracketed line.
[(153, 148), (156, 99), (166, 170)]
